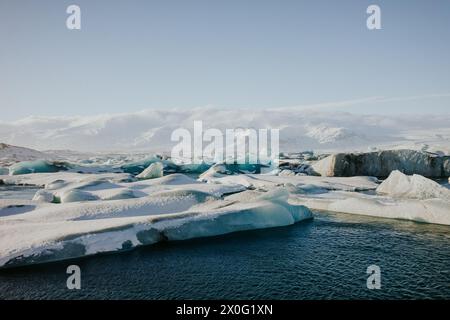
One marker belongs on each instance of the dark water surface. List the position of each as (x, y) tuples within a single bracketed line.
[(325, 258)]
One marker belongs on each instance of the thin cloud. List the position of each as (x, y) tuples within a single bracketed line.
[(362, 101)]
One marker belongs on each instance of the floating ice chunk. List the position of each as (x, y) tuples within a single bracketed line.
[(310, 189), (57, 232), (239, 217), (155, 170), (399, 185), (37, 166), (76, 195), (136, 168), (139, 166), (43, 196), (434, 211), (216, 171), (4, 171), (268, 210)]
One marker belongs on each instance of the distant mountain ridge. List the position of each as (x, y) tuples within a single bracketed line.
[(151, 130)]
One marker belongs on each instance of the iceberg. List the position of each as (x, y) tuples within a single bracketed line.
[(43, 196), (216, 171), (175, 208), (382, 163), (269, 182), (76, 195), (413, 198), (137, 167), (399, 185), (37, 166), (154, 170)]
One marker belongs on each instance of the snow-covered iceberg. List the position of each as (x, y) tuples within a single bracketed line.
[(37, 166), (413, 198), (269, 182), (382, 163), (399, 185), (61, 223), (216, 171), (154, 170)]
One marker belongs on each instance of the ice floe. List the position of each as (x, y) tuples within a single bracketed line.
[(413, 198), (268, 182), (37, 240), (78, 215)]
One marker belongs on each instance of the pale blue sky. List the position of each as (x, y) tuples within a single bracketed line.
[(133, 55)]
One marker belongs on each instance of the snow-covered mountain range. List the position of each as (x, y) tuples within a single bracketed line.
[(150, 130)]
